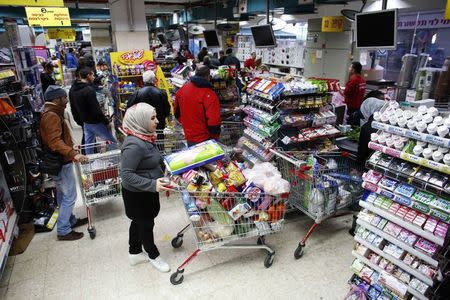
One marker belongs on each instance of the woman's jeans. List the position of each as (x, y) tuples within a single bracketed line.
[(91, 131), (66, 196)]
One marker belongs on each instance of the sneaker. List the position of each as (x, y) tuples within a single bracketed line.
[(136, 259), (72, 236), (80, 222), (160, 264)]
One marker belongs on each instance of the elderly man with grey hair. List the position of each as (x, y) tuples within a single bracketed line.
[(152, 95)]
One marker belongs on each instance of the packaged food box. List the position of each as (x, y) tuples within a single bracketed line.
[(420, 220)]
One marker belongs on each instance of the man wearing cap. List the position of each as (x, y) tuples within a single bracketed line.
[(56, 136), (152, 95)]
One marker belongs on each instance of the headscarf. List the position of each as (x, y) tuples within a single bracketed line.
[(369, 107), (136, 121)]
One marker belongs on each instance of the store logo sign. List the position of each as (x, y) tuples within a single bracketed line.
[(32, 2), (132, 57)]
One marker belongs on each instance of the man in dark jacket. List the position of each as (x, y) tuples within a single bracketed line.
[(154, 96), (197, 108), (88, 111), (232, 60), (203, 52)]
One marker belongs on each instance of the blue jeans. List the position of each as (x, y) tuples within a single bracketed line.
[(66, 195), (91, 131)]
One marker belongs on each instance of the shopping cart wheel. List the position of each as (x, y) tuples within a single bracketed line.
[(269, 260), (298, 252), (92, 232), (177, 277), (177, 242)]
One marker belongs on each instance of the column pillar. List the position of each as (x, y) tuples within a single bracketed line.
[(129, 25)]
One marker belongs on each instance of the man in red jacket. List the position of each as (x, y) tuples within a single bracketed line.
[(355, 88), (197, 108)]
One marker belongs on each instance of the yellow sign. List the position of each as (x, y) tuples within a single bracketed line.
[(447, 11), (48, 16), (333, 24), (66, 34), (32, 2), (127, 64)]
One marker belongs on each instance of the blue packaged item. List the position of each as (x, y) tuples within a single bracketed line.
[(346, 177), (369, 196), (191, 208), (403, 200), (388, 183), (405, 190)]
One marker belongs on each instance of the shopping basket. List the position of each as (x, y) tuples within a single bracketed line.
[(321, 185), (99, 178), (228, 218)]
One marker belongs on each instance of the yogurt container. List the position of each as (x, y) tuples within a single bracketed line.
[(427, 118), (390, 142), (407, 114), (438, 120), (417, 150), (399, 145), (433, 111), (444, 150), (447, 159), (427, 153), (384, 118), (401, 122), (442, 130), (421, 126), (411, 124), (394, 104), (418, 118), (399, 112), (422, 144), (432, 128), (393, 120), (437, 156), (433, 147), (422, 109)]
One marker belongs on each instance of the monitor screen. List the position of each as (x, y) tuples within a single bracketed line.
[(263, 36), (211, 38), (377, 30), (161, 38)]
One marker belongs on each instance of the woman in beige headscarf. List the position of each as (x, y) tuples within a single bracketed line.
[(141, 175)]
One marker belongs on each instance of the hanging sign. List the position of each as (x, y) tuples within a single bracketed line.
[(425, 21), (32, 2), (333, 24), (447, 11), (66, 34), (48, 16)]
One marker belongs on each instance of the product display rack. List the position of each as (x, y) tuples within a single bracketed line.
[(407, 207)]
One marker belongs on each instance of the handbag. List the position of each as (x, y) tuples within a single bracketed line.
[(51, 162)]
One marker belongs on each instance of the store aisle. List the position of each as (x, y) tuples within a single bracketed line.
[(99, 269)]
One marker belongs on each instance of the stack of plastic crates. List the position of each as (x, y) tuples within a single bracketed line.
[(219, 220), (99, 178), (321, 185)]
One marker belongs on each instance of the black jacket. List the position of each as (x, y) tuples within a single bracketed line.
[(364, 138), (232, 60), (46, 81), (84, 105), (156, 98)]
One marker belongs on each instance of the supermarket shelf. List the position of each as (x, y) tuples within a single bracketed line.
[(30, 68), (405, 201), (255, 154), (375, 267), (262, 95), (396, 261), (420, 184), (7, 65), (415, 229), (399, 243), (411, 158), (6, 245), (424, 137)]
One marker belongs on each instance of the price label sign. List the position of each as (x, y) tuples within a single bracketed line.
[(66, 34), (447, 11), (32, 2), (48, 16), (333, 24)]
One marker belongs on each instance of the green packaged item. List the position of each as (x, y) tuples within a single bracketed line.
[(440, 215), (386, 204), (379, 201), (441, 204), (382, 224), (218, 213), (423, 197), (421, 207)]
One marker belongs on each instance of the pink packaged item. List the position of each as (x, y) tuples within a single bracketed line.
[(392, 229), (394, 208), (427, 270), (407, 237), (441, 229), (420, 219), (409, 259), (426, 246), (402, 211), (383, 263), (372, 176), (430, 224), (410, 215)]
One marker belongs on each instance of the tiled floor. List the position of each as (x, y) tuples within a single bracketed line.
[(98, 269)]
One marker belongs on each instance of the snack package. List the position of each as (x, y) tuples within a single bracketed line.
[(409, 259), (383, 263), (377, 241), (235, 176), (372, 176), (407, 237), (405, 189), (423, 197), (410, 215), (392, 229), (239, 210), (427, 270), (276, 211), (388, 183), (441, 229), (430, 224), (426, 246), (194, 157), (253, 194), (401, 212)]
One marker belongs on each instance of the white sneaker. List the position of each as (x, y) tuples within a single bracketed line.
[(136, 259), (160, 264)]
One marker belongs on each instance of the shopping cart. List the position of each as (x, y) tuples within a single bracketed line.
[(231, 132), (322, 185), (99, 178), (170, 139)]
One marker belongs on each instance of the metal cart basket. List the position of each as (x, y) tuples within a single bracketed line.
[(226, 218), (99, 178), (321, 186)]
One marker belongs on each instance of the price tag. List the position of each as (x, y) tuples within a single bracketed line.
[(393, 152), (333, 24)]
